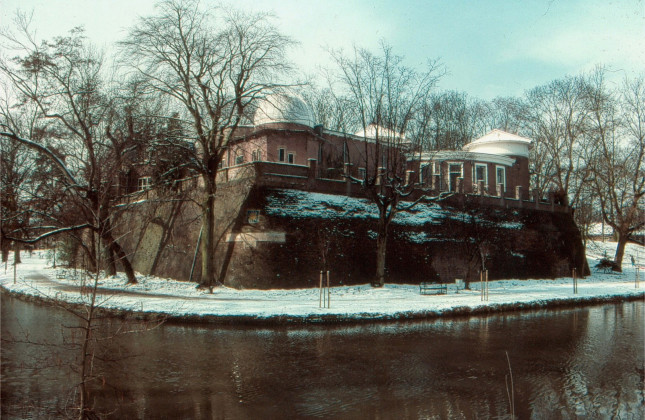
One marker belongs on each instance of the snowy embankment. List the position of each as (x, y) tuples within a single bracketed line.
[(181, 300)]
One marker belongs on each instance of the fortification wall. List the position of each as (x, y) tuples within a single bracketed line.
[(161, 233), (282, 238)]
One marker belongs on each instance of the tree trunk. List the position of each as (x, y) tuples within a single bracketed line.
[(208, 241), (620, 250), (468, 276), (5, 251), (87, 355), (90, 261), (111, 262), (381, 252), (16, 249), (121, 257), (90, 252)]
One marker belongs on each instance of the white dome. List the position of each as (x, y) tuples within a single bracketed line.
[(284, 108), (498, 142)]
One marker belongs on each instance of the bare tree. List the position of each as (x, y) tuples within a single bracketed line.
[(215, 75), (505, 113), (27, 185), (387, 97), (15, 169), (557, 116), (331, 111), (453, 120), (64, 80), (475, 236), (617, 136)]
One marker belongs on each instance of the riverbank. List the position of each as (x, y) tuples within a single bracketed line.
[(180, 301)]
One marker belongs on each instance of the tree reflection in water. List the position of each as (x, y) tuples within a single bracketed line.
[(566, 363)]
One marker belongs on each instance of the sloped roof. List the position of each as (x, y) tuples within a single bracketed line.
[(371, 131)]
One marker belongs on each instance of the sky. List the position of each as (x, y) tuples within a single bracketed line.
[(490, 48)]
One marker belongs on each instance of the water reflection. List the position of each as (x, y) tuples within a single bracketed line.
[(570, 363)]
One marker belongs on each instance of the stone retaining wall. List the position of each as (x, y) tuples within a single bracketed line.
[(262, 247)]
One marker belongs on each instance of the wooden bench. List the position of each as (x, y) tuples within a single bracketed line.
[(60, 274), (427, 288)]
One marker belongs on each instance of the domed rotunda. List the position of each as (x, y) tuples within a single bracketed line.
[(284, 107)]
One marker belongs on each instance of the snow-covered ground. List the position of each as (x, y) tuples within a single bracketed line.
[(36, 277)]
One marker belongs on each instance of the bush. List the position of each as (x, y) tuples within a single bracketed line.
[(606, 265)]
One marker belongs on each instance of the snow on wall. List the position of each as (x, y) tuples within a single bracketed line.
[(298, 204), (303, 205)]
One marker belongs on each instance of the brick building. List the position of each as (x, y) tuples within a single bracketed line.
[(285, 137), (289, 188)]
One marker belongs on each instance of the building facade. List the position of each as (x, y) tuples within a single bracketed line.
[(284, 133), (291, 203)]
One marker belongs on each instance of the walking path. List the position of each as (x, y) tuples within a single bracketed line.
[(181, 300)]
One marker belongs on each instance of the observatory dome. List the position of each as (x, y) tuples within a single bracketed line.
[(284, 108)]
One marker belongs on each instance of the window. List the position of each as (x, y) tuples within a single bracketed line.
[(480, 173), (436, 171), (239, 159), (254, 156), (501, 176), (455, 171), (362, 174), (281, 154), (291, 157), (422, 169), (144, 183), (258, 154)]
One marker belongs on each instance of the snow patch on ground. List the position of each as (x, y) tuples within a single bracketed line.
[(152, 294)]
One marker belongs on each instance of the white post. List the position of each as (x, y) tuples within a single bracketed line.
[(575, 282), (328, 291), (637, 278), (320, 302), (481, 284)]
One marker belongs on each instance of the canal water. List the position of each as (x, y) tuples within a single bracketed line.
[(582, 363)]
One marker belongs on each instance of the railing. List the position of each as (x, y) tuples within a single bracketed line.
[(315, 179)]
